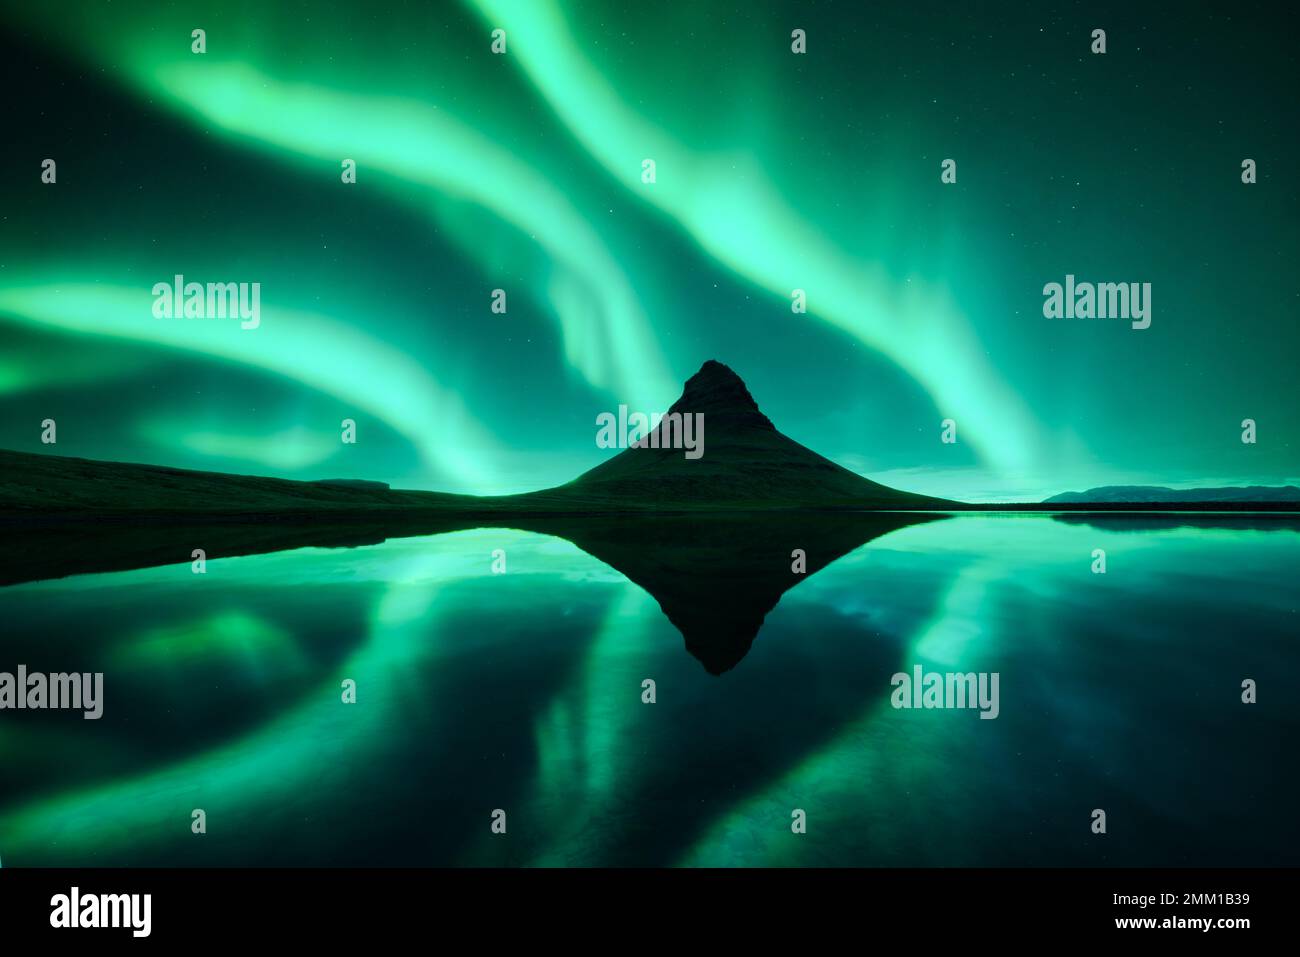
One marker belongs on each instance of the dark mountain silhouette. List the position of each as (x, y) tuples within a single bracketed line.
[(746, 463), (1159, 494)]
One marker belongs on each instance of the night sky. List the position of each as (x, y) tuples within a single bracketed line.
[(774, 172)]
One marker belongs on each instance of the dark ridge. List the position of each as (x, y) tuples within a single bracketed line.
[(352, 483), (1158, 494)]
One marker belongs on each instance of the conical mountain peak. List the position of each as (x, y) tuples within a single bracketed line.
[(737, 460)]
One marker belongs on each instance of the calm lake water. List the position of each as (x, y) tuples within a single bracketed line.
[(523, 692)]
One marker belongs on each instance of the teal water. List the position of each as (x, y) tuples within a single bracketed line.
[(522, 692)]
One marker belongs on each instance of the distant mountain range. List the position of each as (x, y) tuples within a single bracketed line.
[(1158, 494)]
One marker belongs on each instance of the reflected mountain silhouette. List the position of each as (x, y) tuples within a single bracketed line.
[(1257, 522), (716, 578)]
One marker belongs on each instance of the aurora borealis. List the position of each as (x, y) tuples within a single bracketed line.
[(519, 174), (775, 172)]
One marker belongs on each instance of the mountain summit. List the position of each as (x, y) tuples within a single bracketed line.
[(746, 464), (718, 392)]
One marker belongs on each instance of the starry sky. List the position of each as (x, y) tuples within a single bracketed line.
[(774, 171)]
